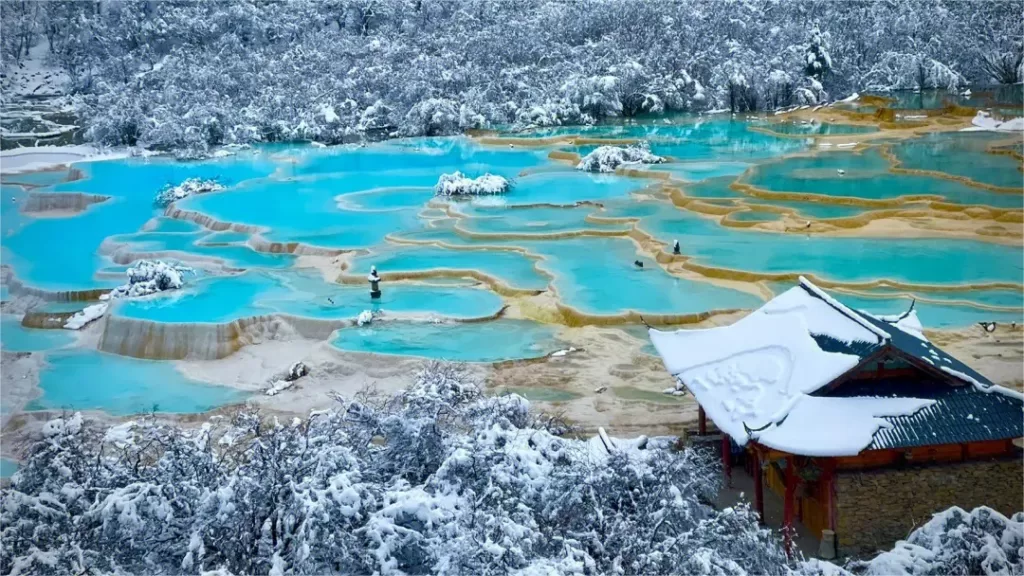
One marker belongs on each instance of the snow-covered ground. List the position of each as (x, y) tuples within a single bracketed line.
[(984, 121), (35, 75)]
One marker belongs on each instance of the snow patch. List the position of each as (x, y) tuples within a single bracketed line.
[(87, 315), (826, 426), (42, 157), (984, 121)]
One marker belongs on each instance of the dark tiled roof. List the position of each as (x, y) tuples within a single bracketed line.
[(960, 413), (856, 347), (925, 351)]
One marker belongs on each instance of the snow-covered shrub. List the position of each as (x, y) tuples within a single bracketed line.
[(552, 113), (811, 93), (433, 117), (901, 71), (608, 158), (598, 96), (457, 184), (817, 60), (165, 75), (149, 277), (190, 186), (296, 371), (955, 541), (437, 479)]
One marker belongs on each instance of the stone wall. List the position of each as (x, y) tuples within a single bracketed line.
[(876, 508)]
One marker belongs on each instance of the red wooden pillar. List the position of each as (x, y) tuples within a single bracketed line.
[(830, 493), (702, 421), (758, 488), (727, 459), (787, 506)]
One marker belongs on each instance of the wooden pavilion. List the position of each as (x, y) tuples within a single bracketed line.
[(861, 425)]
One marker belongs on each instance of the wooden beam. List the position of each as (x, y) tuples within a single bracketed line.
[(829, 473), (727, 459), (787, 507), (758, 488), (702, 421)]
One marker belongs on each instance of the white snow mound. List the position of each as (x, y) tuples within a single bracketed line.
[(608, 158), (149, 277), (458, 184), (365, 317)]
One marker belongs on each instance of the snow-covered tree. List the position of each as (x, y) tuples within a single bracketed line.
[(436, 479)]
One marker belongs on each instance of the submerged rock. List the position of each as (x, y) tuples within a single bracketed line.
[(457, 184), (608, 158)]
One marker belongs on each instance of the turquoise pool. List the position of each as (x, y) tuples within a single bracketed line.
[(374, 205)]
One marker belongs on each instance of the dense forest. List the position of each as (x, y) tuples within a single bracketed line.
[(188, 75)]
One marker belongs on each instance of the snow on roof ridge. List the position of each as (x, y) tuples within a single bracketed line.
[(982, 387), (808, 285)]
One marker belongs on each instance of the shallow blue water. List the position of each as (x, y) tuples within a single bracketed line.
[(40, 260), (598, 276), (7, 468), (963, 154), (921, 261), (359, 197), (513, 268), (236, 254), (222, 299), (16, 338), (90, 380), (531, 220), (867, 176), (818, 128), (465, 342)]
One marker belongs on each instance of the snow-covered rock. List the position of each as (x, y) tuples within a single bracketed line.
[(296, 371), (608, 158), (365, 317), (187, 188), (149, 277), (457, 184), (144, 278)]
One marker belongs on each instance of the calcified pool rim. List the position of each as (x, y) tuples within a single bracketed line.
[(667, 190)]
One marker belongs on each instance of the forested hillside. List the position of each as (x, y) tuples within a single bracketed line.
[(188, 75)]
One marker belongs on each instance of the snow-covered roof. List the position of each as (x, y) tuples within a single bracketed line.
[(755, 378)]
